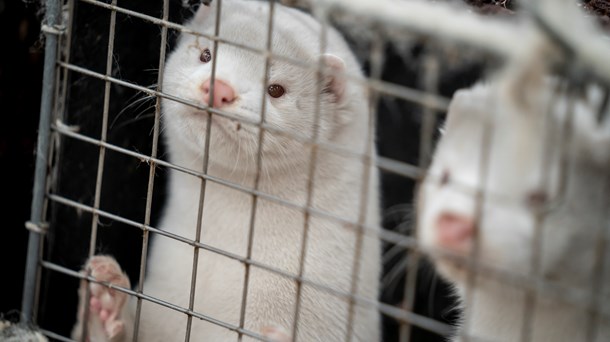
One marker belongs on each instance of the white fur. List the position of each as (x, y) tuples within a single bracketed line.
[(10, 332), (278, 229), (525, 157), (523, 154)]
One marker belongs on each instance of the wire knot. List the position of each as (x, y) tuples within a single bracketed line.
[(55, 29), (40, 228)]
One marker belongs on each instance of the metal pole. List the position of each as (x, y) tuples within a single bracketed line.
[(52, 20)]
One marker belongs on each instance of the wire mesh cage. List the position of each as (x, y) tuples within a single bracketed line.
[(262, 187)]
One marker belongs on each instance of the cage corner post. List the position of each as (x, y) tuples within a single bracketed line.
[(51, 30)]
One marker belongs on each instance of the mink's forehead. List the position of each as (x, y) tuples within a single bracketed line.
[(295, 35)]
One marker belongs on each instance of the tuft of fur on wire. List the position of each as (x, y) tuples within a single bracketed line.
[(10, 332)]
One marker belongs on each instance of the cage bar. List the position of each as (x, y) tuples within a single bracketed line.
[(53, 21)]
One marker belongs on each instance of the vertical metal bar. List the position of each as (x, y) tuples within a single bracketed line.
[(538, 215), (61, 93), (64, 43), (104, 132), (67, 50), (261, 135), (600, 270), (531, 295), (377, 59), (151, 175), (206, 157), (430, 85), (52, 18), (481, 196), (101, 159), (323, 16)]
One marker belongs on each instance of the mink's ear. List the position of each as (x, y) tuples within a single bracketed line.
[(461, 102), (470, 104), (334, 81)]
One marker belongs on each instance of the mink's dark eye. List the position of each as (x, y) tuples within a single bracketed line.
[(445, 178), (537, 199), (205, 56), (275, 90)]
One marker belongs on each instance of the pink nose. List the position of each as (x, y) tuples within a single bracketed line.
[(223, 93), (455, 231)]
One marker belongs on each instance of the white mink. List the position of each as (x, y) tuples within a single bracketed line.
[(524, 172), (278, 229)]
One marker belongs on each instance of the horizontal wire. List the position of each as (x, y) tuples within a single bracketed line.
[(414, 95), (570, 295), (389, 310), (372, 230), (67, 271), (383, 163)]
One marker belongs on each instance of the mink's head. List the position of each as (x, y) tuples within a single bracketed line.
[(513, 179), (289, 99)]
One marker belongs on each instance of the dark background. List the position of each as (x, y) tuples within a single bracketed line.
[(125, 179), (20, 84)]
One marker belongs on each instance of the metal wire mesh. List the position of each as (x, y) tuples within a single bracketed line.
[(387, 23)]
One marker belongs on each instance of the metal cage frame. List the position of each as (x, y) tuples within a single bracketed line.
[(460, 27)]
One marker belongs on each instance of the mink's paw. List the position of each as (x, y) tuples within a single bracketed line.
[(105, 303)]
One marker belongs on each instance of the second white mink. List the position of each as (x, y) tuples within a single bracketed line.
[(528, 165)]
